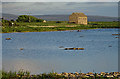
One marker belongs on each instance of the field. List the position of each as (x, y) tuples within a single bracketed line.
[(54, 26)]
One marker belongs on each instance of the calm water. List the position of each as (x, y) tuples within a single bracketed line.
[(42, 53)]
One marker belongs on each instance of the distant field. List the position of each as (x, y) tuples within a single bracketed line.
[(55, 26), (48, 23), (66, 24)]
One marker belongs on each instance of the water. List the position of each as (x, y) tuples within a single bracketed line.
[(41, 51)]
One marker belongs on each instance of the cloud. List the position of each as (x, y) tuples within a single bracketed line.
[(46, 8), (60, 0)]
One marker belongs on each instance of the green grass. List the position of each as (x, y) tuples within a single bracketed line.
[(39, 29), (14, 75), (48, 23), (0, 74), (62, 26), (26, 75)]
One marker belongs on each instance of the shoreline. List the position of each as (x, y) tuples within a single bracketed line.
[(64, 75), (59, 30), (54, 26)]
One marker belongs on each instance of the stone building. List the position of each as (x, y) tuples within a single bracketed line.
[(78, 18)]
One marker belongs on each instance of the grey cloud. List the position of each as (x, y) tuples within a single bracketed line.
[(92, 4), (60, 0), (46, 8)]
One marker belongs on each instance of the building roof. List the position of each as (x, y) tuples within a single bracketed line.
[(79, 14)]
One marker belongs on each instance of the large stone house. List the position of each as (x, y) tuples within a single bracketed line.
[(78, 18)]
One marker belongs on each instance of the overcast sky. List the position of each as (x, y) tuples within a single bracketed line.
[(59, 0), (51, 8)]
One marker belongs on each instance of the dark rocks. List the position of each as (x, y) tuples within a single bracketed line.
[(81, 36), (8, 38), (115, 34), (116, 37), (73, 48), (21, 48), (110, 46), (61, 47), (78, 30)]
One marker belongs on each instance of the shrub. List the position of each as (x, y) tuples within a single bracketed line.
[(58, 22)]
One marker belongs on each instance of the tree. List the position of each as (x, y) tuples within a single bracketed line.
[(39, 20), (8, 23), (12, 20), (4, 21), (26, 18)]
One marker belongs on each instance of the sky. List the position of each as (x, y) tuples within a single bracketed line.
[(59, 8), (59, 0)]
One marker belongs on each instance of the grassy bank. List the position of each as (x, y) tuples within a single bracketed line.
[(57, 26), (26, 75), (38, 29)]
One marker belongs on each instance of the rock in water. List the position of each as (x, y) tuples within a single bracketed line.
[(8, 38)]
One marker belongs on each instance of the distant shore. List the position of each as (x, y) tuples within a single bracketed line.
[(71, 30), (59, 30), (54, 30), (54, 26)]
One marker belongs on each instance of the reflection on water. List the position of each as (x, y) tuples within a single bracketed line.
[(41, 51)]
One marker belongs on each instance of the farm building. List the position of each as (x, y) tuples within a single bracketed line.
[(78, 18), (44, 21)]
